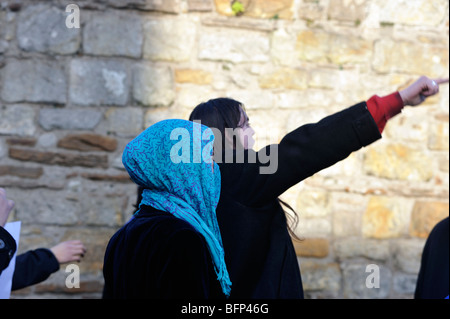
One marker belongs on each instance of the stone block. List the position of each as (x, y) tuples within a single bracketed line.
[(57, 158), (69, 119), (438, 139), (33, 81), (407, 254), (21, 141), (99, 82), (425, 215), (113, 34), (312, 247), (411, 57), (320, 276), (412, 13), (101, 210), (124, 122), (282, 48), (42, 28), (169, 39), (234, 46), (312, 227), (287, 78), (398, 161), (352, 10), (311, 11), (357, 247), (88, 142), (21, 171), (323, 47), (312, 203), (153, 85), (385, 218), (47, 140), (42, 207), (346, 223), (193, 76), (7, 30), (409, 126), (17, 120)]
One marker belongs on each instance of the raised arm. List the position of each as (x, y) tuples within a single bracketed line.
[(313, 147)]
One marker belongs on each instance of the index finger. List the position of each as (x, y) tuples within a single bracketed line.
[(441, 80)]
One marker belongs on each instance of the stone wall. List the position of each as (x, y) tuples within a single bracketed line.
[(70, 100)]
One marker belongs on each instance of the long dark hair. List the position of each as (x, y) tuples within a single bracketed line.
[(222, 113)]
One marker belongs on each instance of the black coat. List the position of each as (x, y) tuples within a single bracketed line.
[(7, 248), (259, 253), (157, 255), (433, 279)]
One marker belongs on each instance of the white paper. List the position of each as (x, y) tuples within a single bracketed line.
[(6, 277)]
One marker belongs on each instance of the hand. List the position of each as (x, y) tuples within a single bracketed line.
[(67, 251), (6, 205), (417, 92)]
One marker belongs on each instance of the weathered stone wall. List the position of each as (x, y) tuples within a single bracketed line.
[(70, 100)]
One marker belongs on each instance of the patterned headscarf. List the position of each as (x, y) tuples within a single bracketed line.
[(172, 159)]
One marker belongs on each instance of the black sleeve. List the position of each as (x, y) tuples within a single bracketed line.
[(33, 267), (305, 151), (7, 248), (185, 273)]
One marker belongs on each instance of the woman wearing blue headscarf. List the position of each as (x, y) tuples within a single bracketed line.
[(172, 247)]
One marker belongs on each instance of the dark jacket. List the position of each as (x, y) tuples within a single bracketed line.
[(159, 256), (433, 279), (33, 267), (7, 248), (259, 253)]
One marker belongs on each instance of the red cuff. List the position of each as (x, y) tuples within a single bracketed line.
[(384, 108)]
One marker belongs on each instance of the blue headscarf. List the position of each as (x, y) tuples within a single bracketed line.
[(172, 159)]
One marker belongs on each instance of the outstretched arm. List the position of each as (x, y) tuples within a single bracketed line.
[(313, 147)]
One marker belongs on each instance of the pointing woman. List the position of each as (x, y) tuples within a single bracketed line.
[(258, 249)]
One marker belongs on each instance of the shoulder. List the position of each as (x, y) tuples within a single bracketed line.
[(440, 231), (165, 226)]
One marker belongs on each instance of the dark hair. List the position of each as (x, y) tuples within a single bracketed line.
[(222, 113), (140, 189)]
